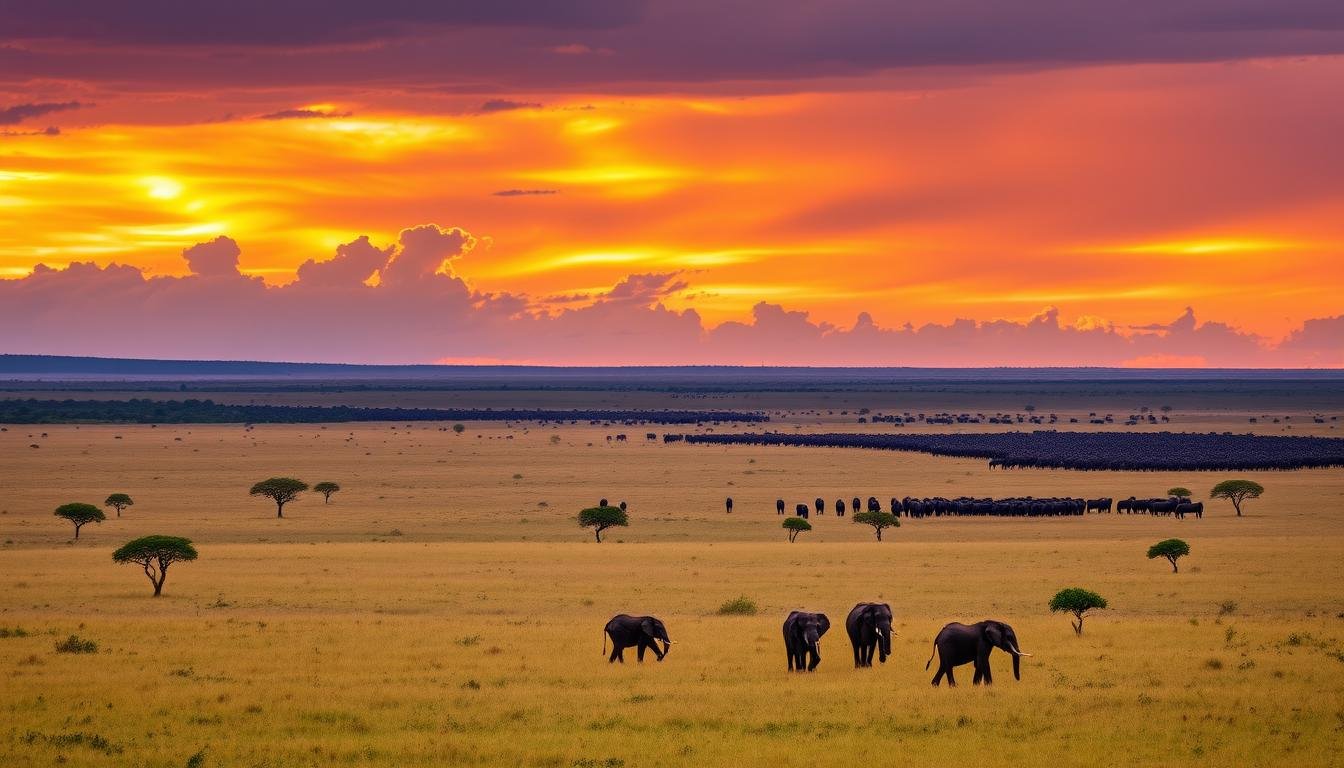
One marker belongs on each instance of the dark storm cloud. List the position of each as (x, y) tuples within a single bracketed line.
[(522, 45), (20, 112)]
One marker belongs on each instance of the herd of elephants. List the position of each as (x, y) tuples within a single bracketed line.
[(1024, 506), (869, 629)]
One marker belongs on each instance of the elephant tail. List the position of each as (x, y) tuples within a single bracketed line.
[(604, 642), (931, 655)]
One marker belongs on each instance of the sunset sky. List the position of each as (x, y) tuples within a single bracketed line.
[(613, 181)]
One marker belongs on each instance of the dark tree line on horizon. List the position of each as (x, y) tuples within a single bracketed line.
[(192, 411), (1157, 451)]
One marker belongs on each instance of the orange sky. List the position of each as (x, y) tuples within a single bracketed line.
[(1104, 191)]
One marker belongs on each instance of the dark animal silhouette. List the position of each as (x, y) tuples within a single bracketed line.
[(622, 505), (820, 504), (729, 504), (839, 507), (869, 628), (855, 504), (801, 510), (642, 632), (802, 639), (959, 644), (873, 504), (779, 506)]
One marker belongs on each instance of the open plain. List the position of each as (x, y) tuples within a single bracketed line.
[(445, 608)]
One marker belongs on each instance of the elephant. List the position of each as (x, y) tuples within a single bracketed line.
[(602, 503), (854, 502), (839, 507), (729, 504), (801, 510), (622, 505), (779, 506), (820, 504), (869, 628), (802, 639), (958, 644), (640, 631), (873, 504)]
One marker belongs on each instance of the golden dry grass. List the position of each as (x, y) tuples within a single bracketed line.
[(435, 614)]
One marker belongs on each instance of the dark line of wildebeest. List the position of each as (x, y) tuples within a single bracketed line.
[(1105, 451), (1019, 506)]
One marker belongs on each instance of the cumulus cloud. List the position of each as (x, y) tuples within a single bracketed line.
[(403, 302), (17, 113)]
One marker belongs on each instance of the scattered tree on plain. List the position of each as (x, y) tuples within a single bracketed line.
[(155, 554), (879, 521), (80, 514), (118, 501), (1179, 491), (1237, 491), (601, 518), (1077, 601), (281, 490), (326, 489), (459, 428), (795, 526), (1172, 549)]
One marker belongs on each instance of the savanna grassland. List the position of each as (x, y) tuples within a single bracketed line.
[(445, 609)]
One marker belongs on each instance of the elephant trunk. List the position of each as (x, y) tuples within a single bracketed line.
[(1017, 666)]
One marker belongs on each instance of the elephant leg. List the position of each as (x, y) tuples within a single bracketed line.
[(816, 659), (789, 652), (639, 650), (858, 656), (951, 680), (989, 678), (979, 673), (938, 676), (617, 654)]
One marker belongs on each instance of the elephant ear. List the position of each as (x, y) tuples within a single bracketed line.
[(993, 634), (647, 626), (823, 624)]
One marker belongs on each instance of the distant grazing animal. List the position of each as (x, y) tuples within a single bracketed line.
[(1195, 508), (779, 506), (820, 504), (620, 438), (1099, 505), (650, 436), (959, 644), (855, 503), (729, 504), (802, 639), (869, 628), (602, 503), (896, 506), (873, 505), (801, 510), (1125, 505), (643, 632), (622, 505), (839, 507)]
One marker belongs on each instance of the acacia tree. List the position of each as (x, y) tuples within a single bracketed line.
[(155, 554), (459, 428), (601, 518), (1179, 491), (1237, 491), (879, 521), (80, 514), (1077, 601), (795, 526), (118, 501), (1172, 549), (326, 489), (281, 490)]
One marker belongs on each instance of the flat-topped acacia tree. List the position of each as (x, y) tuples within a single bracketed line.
[(80, 514), (155, 554), (795, 526), (1237, 491), (1179, 490), (118, 501), (1077, 601), (878, 520), (1172, 549), (601, 518), (326, 488), (281, 490)]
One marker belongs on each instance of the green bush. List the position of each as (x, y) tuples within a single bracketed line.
[(76, 644), (738, 606)]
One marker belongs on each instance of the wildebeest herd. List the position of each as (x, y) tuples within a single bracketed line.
[(1018, 506), (869, 628)]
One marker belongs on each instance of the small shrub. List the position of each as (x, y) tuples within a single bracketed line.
[(1213, 664), (738, 606), (76, 644), (197, 760), (472, 685), (468, 641), (1227, 608), (15, 632)]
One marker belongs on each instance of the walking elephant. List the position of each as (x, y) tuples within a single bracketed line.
[(802, 639), (869, 628), (779, 506), (643, 632), (854, 502), (839, 507), (820, 504), (801, 510), (728, 503), (959, 644)]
